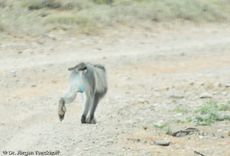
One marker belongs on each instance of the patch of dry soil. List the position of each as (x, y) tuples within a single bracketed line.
[(145, 70)]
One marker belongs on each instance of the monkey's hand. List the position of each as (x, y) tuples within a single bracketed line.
[(61, 109)]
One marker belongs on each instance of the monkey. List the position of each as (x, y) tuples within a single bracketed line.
[(85, 78)]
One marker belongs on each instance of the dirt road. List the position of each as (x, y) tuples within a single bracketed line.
[(145, 70)]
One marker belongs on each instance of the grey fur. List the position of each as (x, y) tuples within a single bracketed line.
[(90, 79)]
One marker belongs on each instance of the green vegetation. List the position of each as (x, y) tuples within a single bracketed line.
[(210, 113), (205, 115), (2, 28), (165, 127), (90, 16)]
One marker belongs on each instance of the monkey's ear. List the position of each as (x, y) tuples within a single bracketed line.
[(79, 67), (72, 68)]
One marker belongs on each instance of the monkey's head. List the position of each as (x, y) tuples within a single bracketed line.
[(79, 67), (61, 109)]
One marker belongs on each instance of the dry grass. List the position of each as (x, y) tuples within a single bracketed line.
[(90, 16)]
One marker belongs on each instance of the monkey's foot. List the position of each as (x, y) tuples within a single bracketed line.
[(83, 119), (61, 116), (92, 121)]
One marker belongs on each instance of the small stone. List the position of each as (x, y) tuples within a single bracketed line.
[(145, 128), (219, 130), (143, 101), (33, 86), (218, 84), (177, 96), (198, 153), (134, 139), (13, 73), (162, 142), (54, 81), (187, 131), (227, 85), (224, 93), (202, 84), (201, 137), (205, 96)]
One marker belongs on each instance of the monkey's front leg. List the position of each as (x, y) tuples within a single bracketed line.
[(68, 98), (61, 109)]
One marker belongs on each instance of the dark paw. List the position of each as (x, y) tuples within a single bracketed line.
[(83, 119), (61, 109), (61, 117)]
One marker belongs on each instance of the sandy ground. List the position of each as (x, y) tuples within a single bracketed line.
[(150, 73)]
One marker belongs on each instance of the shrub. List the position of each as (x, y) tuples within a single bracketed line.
[(103, 1), (2, 4), (61, 18), (39, 4), (2, 27), (210, 113), (85, 24)]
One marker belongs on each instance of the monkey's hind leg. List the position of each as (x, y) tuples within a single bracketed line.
[(91, 119), (86, 109)]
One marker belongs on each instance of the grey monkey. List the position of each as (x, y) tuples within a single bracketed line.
[(89, 79)]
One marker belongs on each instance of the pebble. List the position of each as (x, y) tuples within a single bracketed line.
[(176, 95), (227, 85), (162, 142), (13, 73), (143, 101), (145, 128), (202, 84), (218, 84), (134, 139), (205, 96), (201, 137), (224, 93), (33, 86), (187, 131)]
